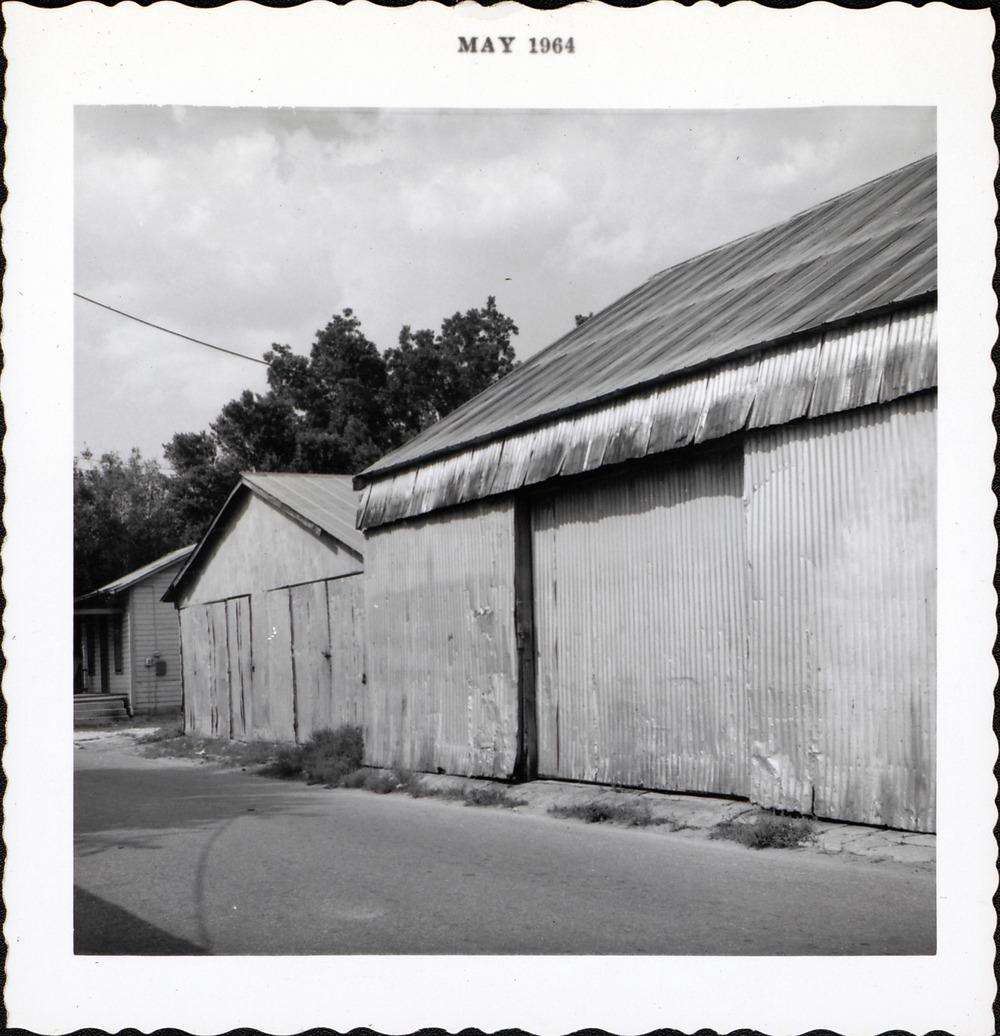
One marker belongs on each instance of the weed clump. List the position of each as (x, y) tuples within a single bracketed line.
[(208, 749), (490, 796), (767, 830), (287, 764), (326, 758), (629, 813), (371, 780)]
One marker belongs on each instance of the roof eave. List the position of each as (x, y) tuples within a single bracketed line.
[(374, 473)]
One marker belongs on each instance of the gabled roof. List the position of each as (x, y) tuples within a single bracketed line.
[(866, 251), (324, 504), (130, 580)]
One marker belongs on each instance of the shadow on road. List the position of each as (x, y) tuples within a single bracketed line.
[(142, 798), (102, 929)]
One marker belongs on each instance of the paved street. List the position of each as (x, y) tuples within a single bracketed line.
[(173, 857)]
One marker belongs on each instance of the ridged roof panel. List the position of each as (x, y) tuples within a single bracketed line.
[(871, 248), (326, 501)]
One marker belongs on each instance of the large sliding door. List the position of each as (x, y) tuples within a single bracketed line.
[(640, 624)]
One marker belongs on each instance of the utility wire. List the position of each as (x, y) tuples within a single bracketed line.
[(176, 334)]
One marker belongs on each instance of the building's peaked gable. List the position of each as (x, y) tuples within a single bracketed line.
[(326, 505), (326, 501)]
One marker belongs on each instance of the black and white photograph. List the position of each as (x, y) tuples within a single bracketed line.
[(517, 534), (679, 541)]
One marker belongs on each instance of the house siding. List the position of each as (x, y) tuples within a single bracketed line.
[(153, 631)]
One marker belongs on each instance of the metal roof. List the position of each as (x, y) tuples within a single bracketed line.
[(129, 580), (870, 249), (325, 501)]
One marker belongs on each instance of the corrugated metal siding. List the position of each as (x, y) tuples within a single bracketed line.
[(866, 363), (841, 527), (154, 630), (871, 248), (442, 658), (641, 629)]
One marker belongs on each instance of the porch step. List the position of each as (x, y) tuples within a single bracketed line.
[(97, 708)]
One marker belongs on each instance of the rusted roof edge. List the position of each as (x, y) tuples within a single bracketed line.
[(364, 478)]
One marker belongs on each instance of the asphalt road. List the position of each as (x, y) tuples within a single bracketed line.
[(177, 858)]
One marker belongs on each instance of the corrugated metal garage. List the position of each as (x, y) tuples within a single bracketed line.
[(272, 613), (703, 524)]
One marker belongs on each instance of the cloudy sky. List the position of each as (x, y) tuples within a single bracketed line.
[(244, 227)]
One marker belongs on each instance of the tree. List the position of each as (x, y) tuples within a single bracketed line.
[(257, 432), (337, 411), (431, 375), (121, 517), (201, 482), (337, 395)]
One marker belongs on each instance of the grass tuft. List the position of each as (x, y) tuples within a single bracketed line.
[(492, 796), (766, 830), (371, 780), (222, 750), (629, 813)]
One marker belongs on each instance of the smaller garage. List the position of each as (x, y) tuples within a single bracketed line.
[(272, 614)]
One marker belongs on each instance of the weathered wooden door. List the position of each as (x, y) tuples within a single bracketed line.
[(640, 619), (217, 661), (346, 615), (310, 646), (275, 708), (239, 650), (206, 669)]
